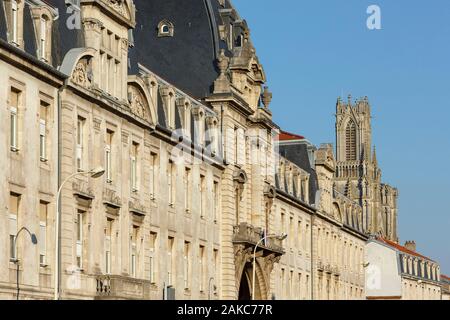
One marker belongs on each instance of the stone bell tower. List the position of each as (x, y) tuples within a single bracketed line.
[(357, 173)]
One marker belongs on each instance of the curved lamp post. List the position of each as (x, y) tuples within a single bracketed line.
[(271, 236), (16, 261), (95, 173)]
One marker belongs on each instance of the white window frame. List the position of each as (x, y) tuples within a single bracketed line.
[(79, 239), (152, 255), (134, 168), (186, 265), (202, 193), (14, 22), (133, 258), (171, 243), (43, 243), (14, 129), (152, 176), (12, 237), (108, 236), (108, 158), (43, 39), (187, 190), (43, 140), (80, 144)]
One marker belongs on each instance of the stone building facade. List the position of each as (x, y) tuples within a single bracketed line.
[(170, 100)]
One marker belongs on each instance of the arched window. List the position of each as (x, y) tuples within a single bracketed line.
[(350, 141), (165, 29)]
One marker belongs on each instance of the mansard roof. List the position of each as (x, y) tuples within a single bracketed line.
[(188, 58)]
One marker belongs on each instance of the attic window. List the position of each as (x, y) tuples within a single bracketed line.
[(165, 29)]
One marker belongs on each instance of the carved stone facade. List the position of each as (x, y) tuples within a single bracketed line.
[(199, 193)]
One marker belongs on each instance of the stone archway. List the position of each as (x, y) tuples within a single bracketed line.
[(246, 284)]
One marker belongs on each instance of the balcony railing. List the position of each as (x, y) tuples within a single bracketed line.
[(249, 235), (121, 287)]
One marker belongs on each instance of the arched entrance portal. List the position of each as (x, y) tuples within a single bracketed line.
[(245, 286)]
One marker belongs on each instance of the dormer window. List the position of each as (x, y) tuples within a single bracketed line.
[(43, 37), (42, 19), (165, 29), (14, 22)]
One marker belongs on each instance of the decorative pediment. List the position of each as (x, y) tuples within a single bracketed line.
[(138, 103), (120, 6), (82, 73), (111, 199)]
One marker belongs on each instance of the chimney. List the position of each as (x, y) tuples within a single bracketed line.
[(410, 245)]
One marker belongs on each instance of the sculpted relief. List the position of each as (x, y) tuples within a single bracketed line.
[(119, 6), (82, 74), (138, 103)]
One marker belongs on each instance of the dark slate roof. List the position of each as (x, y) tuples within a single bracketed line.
[(63, 38), (2, 23), (298, 154), (186, 60)]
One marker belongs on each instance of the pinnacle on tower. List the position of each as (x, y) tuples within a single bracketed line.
[(374, 156)]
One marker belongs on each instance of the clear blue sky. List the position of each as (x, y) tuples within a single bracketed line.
[(315, 50)]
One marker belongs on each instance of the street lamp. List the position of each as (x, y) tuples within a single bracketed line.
[(16, 260), (95, 173), (279, 237)]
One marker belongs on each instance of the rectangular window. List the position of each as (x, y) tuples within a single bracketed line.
[(14, 127), (80, 143), (43, 40), (108, 233), (13, 225), (43, 216), (187, 189), (216, 201), (80, 238), (14, 22), (299, 283), (153, 238), (216, 266), (152, 175), (108, 155), (202, 267), (43, 131), (134, 251), (170, 261), (299, 235), (171, 182), (236, 146), (134, 167), (202, 190), (186, 264)]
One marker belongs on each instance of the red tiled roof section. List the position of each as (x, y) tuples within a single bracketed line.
[(402, 248), (286, 136), (443, 276)]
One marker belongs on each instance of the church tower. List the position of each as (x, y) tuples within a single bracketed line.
[(357, 173)]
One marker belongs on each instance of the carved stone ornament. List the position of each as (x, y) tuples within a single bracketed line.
[(138, 104), (82, 74), (118, 6)]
